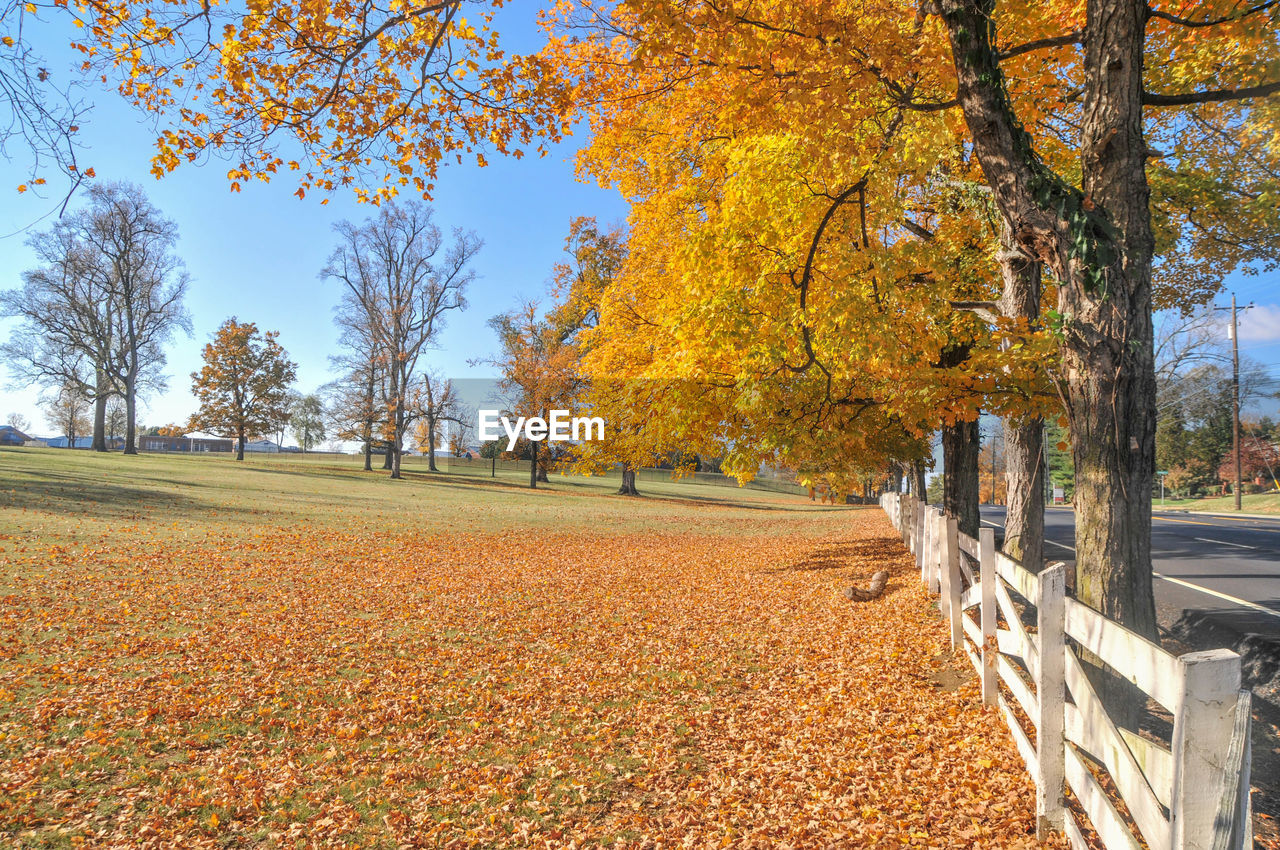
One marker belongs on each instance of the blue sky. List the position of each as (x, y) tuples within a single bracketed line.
[(256, 254)]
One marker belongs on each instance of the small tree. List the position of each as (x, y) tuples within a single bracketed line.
[(244, 385), (116, 420), (307, 421), (539, 369), (68, 411), (18, 421), (433, 403)]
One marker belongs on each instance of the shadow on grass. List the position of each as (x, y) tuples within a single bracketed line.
[(105, 500), (842, 556)]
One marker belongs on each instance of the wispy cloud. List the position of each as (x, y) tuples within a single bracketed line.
[(1261, 323)]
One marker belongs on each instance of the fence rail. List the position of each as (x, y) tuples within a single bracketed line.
[(1191, 791)]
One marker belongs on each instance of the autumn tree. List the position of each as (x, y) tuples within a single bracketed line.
[(539, 370), (368, 97), (399, 283), (243, 387), (67, 409), (1105, 134), (1058, 140), (40, 110)]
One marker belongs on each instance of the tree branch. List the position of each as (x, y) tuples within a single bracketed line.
[(1212, 22), (1214, 96)]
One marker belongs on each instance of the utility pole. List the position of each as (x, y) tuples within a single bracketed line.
[(993, 470), (1235, 396), (1233, 333)]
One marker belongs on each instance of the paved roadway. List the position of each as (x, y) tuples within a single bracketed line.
[(1226, 564)]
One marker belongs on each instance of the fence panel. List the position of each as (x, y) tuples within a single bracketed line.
[(1194, 793)]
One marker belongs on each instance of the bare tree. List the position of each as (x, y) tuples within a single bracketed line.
[(100, 308), (400, 281), (18, 422), (117, 419), (65, 334), (434, 402), (133, 244), (350, 404)]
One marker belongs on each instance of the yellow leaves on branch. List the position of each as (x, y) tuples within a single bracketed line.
[(374, 96)]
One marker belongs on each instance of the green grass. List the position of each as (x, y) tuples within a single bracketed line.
[(1254, 503), (65, 496)]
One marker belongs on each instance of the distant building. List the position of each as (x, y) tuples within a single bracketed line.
[(192, 443), (114, 444), (11, 436), (263, 446)]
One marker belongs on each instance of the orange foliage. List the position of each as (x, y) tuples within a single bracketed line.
[(289, 686)]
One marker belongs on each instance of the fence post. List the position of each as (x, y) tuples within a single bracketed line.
[(1203, 721), (1051, 610), (917, 527), (987, 611), (929, 568), (951, 565), (940, 553)]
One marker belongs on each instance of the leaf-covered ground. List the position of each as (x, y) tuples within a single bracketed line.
[(698, 682)]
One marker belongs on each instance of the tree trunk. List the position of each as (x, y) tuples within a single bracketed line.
[(961, 444), (920, 491), (628, 487), (130, 415), (1023, 438), (368, 423), (100, 399), (1024, 478), (100, 423), (240, 443), (1098, 243), (533, 464), (431, 446), (1108, 355)]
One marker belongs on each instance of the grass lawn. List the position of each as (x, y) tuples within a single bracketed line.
[(1251, 503), (289, 652)]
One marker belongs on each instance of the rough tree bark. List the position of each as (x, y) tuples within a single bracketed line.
[(100, 413), (1023, 437), (961, 444), (131, 413), (431, 444), (628, 487), (1098, 243)]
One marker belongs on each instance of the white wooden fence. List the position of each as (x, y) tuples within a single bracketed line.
[(1191, 791)]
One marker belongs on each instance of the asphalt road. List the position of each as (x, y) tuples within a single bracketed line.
[(1225, 564)]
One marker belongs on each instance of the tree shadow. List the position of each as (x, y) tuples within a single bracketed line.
[(883, 551), (103, 499)]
